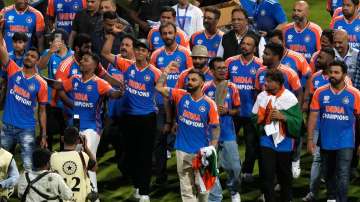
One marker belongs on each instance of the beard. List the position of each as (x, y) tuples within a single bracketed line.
[(191, 89), (297, 19), (334, 82), (169, 42), (199, 65)]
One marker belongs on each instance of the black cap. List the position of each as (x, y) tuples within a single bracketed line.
[(142, 43)]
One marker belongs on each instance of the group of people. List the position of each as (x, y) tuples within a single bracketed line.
[(155, 76)]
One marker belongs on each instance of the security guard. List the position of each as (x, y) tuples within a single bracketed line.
[(9, 174)]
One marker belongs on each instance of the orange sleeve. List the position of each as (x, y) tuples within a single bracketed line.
[(357, 102), (311, 85), (184, 40), (153, 58), (294, 81), (122, 63), (84, 3), (176, 94), (157, 73), (43, 92), (50, 9), (257, 82), (103, 87), (332, 23), (328, 5), (11, 68), (40, 23), (149, 39), (312, 62), (67, 84), (213, 113), (189, 63), (181, 80), (318, 42), (100, 70), (315, 106), (235, 96), (63, 72)]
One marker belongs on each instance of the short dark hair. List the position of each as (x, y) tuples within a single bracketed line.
[(20, 36), (35, 50), (64, 35), (329, 51), (198, 72), (254, 36), (94, 56), (242, 10), (213, 10), (328, 33), (167, 24), (168, 9), (40, 158), (71, 135), (111, 15), (275, 75), (81, 39), (276, 49), (213, 60), (131, 37), (276, 33), (341, 64)]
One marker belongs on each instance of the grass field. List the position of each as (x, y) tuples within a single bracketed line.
[(113, 187)]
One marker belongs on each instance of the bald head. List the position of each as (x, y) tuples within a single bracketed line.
[(300, 12), (341, 41)]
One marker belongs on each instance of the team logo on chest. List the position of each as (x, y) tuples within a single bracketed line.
[(76, 7), (132, 73), (345, 100), (28, 20), (357, 28), (11, 18), (74, 71), (178, 59), (253, 71), (186, 104), (202, 108), (316, 83), (199, 42), (262, 12), (147, 77), (290, 37), (156, 40), (76, 84), (59, 6), (326, 99), (307, 39), (31, 87), (234, 68), (69, 167), (89, 88), (18, 78), (160, 60), (211, 93)]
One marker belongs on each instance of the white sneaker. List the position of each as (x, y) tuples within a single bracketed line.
[(261, 198), (277, 187), (296, 170), (136, 193), (168, 154), (144, 198), (236, 197), (331, 201)]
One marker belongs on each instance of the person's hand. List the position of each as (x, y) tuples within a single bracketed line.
[(311, 146), (43, 143), (118, 28), (55, 46), (222, 110), (172, 67), (263, 33), (276, 115)]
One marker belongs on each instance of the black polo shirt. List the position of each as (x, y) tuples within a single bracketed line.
[(85, 23)]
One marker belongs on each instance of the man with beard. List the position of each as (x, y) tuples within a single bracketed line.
[(337, 106), (198, 121), (25, 90), (161, 58), (271, 60), (211, 36), (229, 158), (277, 116), (167, 14), (30, 20), (200, 57), (242, 71), (326, 41), (349, 21), (140, 113), (302, 35)]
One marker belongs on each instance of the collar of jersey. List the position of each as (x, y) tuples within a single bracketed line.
[(22, 72), (337, 92), (91, 78), (241, 59), (21, 12), (208, 35), (172, 52), (306, 26)]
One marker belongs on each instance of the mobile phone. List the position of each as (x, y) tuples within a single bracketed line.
[(76, 121), (58, 36)]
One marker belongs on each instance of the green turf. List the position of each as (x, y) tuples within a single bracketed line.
[(113, 188)]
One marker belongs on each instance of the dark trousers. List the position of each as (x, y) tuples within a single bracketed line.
[(336, 165), (251, 142), (139, 132), (55, 124), (275, 164), (160, 147)]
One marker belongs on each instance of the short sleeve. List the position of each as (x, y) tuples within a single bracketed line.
[(50, 9), (43, 92), (122, 64), (67, 84), (235, 97), (11, 68), (315, 105), (100, 70), (176, 94), (294, 81), (40, 23), (103, 87), (357, 102), (180, 83), (213, 113)]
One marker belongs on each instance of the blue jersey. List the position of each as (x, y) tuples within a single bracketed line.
[(352, 28), (88, 96), (18, 60), (334, 4), (243, 75), (195, 118), (29, 22), (298, 63), (160, 59), (337, 112), (139, 87), (232, 101), (306, 41), (212, 43), (269, 14), (249, 6), (64, 11), (23, 94), (115, 106)]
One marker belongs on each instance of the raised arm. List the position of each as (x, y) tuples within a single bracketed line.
[(4, 56), (43, 62), (106, 51), (161, 83)]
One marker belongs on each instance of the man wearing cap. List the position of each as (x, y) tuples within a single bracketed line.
[(199, 57), (140, 112)]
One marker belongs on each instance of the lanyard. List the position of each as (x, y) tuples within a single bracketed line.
[(181, 25)]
